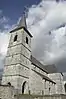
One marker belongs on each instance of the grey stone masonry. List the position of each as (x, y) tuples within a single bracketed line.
[(58, 78), (17, 62), (6, 92)]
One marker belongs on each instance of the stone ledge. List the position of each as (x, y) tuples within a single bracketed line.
[(6, 86)]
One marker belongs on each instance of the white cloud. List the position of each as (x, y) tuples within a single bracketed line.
[(4, 36), (4, 40), (43, 18), (7, 26), (3, 20)]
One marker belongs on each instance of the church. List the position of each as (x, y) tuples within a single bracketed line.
[(24, 72)]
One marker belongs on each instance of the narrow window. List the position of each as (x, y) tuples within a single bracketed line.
[(27, 40), (49, 89), (23, 87), (15, 38), (9, 83)]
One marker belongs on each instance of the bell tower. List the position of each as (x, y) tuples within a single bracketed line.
[(17, 61)]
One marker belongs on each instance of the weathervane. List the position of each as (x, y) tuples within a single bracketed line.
[(25, 12)]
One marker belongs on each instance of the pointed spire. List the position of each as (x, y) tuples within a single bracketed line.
[(22, 22)]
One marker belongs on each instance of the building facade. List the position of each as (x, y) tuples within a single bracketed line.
[(23, 71)]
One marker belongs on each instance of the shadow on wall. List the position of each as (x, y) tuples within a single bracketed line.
[(65, 87)]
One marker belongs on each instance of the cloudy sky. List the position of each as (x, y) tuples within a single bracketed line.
[(44, 16)]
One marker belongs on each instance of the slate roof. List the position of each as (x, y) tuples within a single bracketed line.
[(51, 68), (22, 21), (38, 64), (47, 68)]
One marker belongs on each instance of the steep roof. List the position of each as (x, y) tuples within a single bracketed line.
[(51, 68), (22, 24), (38, 64), (47, 68)]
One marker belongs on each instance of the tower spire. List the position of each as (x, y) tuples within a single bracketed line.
[(22, 22)]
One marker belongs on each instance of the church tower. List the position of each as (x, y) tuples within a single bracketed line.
[(17, 62)]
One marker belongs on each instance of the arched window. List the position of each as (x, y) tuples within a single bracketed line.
[(15, 38), (9, 83), (23, 87), (65, 87), (27, 40)]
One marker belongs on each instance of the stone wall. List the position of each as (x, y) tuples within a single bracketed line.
[(6, 92), (38, 85), (35, 83), (58, 78)]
